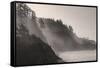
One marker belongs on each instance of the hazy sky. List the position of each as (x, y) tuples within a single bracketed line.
[(82, 19)]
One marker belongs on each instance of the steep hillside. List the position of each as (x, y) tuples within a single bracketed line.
[(31, 46), (27, 17), (31, 50), (61, 37)]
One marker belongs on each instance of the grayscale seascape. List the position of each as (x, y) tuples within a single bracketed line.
[(49, 34)]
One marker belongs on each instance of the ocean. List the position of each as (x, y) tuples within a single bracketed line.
[(77, 56)]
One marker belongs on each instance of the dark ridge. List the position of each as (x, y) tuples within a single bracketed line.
[(31, 50)]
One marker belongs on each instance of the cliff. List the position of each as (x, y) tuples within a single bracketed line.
[(31, 46)]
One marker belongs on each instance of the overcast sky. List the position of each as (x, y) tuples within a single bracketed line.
[(82, 19)]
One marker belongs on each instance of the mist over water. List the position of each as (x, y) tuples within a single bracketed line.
[(77, 17), (74, 56)]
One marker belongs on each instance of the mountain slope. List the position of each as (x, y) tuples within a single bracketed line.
[(31, 46), (30, 50), (61, 37)]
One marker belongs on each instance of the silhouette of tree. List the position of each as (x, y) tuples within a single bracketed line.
[(70, 28), (22, 30), (59, 22)]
